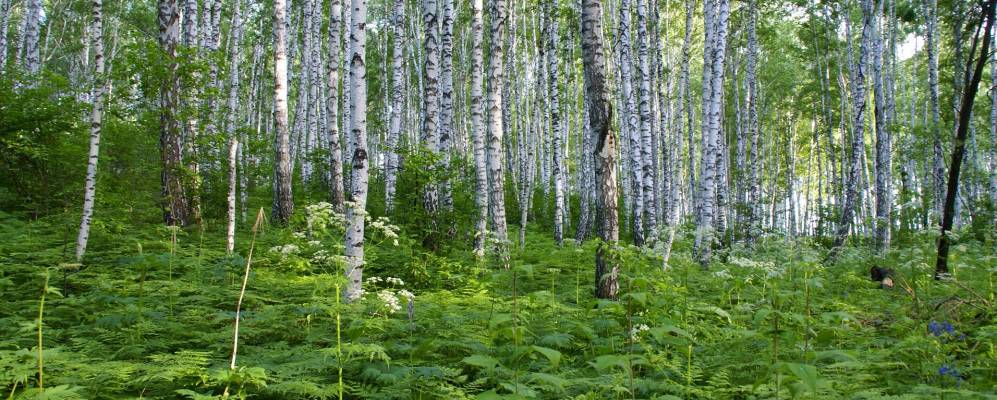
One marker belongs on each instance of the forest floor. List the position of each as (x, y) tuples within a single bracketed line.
[(150, 316)]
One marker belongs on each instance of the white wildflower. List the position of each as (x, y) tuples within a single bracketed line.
[(285, 250), (723, 274), (406, 294), (636, 331), (390, 301)]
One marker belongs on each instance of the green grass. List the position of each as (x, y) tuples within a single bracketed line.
[(138, 320)]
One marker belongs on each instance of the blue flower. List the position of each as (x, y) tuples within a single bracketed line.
[(945, 370), (935, 328), (940, 329)]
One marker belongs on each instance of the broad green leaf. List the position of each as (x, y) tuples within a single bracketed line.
[(806, 374), (552, 355), (480, 361)]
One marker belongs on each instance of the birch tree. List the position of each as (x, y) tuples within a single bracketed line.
[(993, 125), (631, 124), (359, 174), (858, 122), (600, 115), (430, 95), (4, 22), (478, 127), (230, 121), (175, 203), (446, 124), (647, 155), (96, 120), (553, 96), (931, 48), (496, 130), (716, 14), (283, 202), (32, 35), (884, 202), (336, 190), (751, 79), (685, 101), (397, 104)]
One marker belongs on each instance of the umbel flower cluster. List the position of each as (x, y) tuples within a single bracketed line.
[(390, 298)]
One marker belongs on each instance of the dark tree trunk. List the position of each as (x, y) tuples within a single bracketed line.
[(968, 96)]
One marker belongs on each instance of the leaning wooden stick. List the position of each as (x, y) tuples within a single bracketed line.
[(242, 293)]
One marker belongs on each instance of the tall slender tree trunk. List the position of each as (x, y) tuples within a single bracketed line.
[(958, 148), (647, 154), (937, 165), (336, 190), (176, 209), (751, 78), (715, 13), (283, 201), (600, 115), (478, 128), (4, 22), (884, 163), (446, 125), (686, 104), (630, 117), (496, 130), (230, 122), (431, 97), (397, 104), (993, 128), (96, 120), (859, 101), (32, 35), (553, 96), (358, 113)]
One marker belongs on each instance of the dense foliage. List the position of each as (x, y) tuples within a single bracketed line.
[(779, 117), (151, 316)]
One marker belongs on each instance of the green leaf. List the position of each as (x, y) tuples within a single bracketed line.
[(552, 355), (805, 373), (718, 311), (480, 361)]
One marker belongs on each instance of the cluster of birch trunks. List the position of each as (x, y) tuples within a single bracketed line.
[(591, 103)]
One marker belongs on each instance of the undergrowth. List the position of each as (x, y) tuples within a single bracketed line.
[(150, 316)]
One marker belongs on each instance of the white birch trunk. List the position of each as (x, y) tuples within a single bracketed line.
[(430, 96), (715, 14), (32, 35), (96, 119), (496, 130), (635, 178), (993, 125), (478, 128), (937, 165), (283, 203), (647, 155), (354, 250), (397, 104), (230, 123), (754, 195), (553, 96), (446, 124), (4, 22), (884, 164), (336, 190), (858, 94)]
